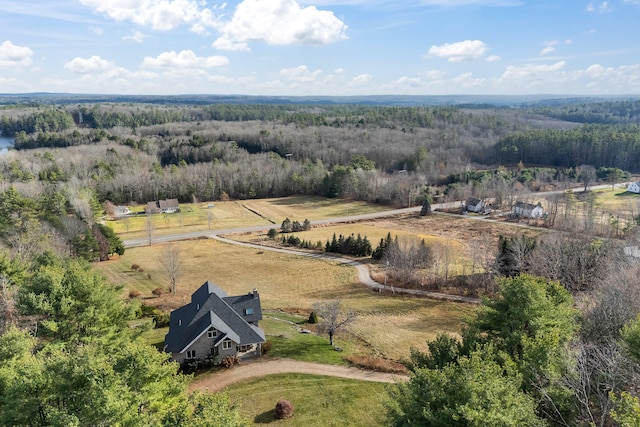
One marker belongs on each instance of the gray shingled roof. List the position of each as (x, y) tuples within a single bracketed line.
[(210, 307)]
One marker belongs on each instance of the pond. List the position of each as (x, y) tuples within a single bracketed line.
[(5, 143)]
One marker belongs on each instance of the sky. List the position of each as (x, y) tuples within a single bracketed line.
[(321, 47)]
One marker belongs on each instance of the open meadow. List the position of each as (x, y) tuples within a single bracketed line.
[(237, 214), (293, 284)]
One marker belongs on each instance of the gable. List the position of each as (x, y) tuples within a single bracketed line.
[(211, 308)]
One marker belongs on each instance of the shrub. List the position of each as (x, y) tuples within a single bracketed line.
[(272, 233), (266, 347), (284, 409), (134, 294), (135, 267), (229, 361), (313, 318), (157, 292), (148, 310), (161, 320)]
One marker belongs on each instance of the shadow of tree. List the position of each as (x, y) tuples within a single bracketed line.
[(266, 417)]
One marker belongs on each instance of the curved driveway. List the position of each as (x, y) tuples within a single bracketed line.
[(363, 272), (260, 368)]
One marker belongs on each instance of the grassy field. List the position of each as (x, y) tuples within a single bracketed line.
[(619, 200), (316, 400), (235, 214), (291, 283)]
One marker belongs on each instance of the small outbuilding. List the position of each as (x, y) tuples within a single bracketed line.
[(528, 210), (634, 187), (476, 205)]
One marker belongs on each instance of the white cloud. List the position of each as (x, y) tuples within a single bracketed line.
[(184, 59), (531, 71), (97, 30), (14, 56), (632, 1), (362, 79), (93, 65), (547, 50), (434, 74), (97, 67), (601, 8), (300, 74), (158, 14), (493, 58), (460, 51), (136, 36), (279, 22)]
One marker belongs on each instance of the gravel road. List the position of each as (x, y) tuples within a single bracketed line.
[(262, 367)]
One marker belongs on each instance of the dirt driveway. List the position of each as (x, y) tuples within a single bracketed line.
[(259, 368)]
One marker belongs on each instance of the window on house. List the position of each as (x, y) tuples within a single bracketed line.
[(248, 311), (212, 333), (226, 345), (191, 354)]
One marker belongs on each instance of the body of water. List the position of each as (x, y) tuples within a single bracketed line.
[(5, 143)]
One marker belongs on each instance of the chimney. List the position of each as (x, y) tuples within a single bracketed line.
[(255, 293)]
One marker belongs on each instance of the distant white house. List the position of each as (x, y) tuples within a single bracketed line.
[(476, 205), (634, 187), (121, 211), (528, 210)]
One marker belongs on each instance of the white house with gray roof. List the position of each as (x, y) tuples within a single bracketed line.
[(214, 326)]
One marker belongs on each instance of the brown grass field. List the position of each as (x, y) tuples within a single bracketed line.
[(390, 325), (236, 214)]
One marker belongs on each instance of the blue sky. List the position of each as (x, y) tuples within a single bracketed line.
[(321, 47)]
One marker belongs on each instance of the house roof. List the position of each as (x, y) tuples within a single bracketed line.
[(168, 204), (472, 201), (524, 205), (211, 308)]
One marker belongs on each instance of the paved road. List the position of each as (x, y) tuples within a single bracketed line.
[(263, 367), (363, 271), (143, 241)]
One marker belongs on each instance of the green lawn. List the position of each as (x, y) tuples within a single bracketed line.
[(317, 400), (287, 342)]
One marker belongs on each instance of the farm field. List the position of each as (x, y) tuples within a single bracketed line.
[(236, 214)]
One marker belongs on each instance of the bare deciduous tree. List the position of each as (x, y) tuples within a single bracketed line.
[(8, 312), (172, 262), (333, 317), (149, 227)]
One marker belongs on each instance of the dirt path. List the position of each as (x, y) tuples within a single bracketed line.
[(259, 368)]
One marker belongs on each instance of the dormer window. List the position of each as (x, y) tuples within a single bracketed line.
[(212, 333), (248, 311)]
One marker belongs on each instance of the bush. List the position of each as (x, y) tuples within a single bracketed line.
[(134, 294), (135, 267), (313, 318), (229, 361), (284, 409), (266, 347), (161, 320), (157, 292), (272, 233)]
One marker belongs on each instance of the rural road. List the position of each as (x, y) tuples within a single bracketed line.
[(352, 218), (363, 271), (263, 367)]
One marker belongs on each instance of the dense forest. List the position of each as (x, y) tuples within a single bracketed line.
[(140, 152)]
